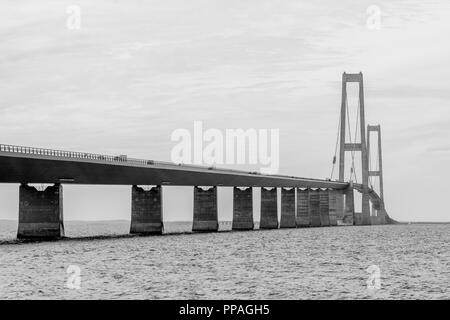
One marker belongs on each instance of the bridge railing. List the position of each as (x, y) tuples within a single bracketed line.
[(122, 159), (77, 155), (101, 157)]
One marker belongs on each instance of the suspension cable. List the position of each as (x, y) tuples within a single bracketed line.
[(370, 166), (355, 139), (335, 149), (351, 141)]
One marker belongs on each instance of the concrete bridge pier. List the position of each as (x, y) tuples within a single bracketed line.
[(303, 219), (324, 208), (146, 210), (332, 200), (365, 212), (349, 207), (40, 212), (205, 210), (287, 208), (378, 214), (381, 214), (269, 214), (242, 209), (363, 218), (314, 208), (374, 218), (340, 207)]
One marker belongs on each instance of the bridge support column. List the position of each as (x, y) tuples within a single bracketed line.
[(378, 215), (324, 208), (382, 216), (269, 215), (242, 209), (379, 206), (332, 200), (40, 212), (205, 210), (363, 218), (365, 212), (303, 218), (349, 207), (374, 218), (340, 207), (146, 210), (287, 208), (314, 208)]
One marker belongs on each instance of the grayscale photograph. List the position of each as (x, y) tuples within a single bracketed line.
[(248, 153)]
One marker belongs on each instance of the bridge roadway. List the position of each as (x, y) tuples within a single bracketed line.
[(316, 202), (35, 165)]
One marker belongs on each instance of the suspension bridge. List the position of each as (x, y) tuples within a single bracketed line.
[(305, 202)]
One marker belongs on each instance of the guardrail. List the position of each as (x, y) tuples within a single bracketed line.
[(125, 159), (102, 157), (69, 154)]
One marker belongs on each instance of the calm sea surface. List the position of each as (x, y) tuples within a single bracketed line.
[(327, 263)]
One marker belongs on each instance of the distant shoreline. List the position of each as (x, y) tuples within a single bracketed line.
[(424, 222)]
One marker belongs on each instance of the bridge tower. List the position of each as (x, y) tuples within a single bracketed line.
[(378, 172), (362, 218)]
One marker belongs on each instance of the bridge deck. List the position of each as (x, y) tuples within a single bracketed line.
[(35, 165)]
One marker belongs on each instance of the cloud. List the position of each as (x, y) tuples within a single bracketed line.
[(136, 71)]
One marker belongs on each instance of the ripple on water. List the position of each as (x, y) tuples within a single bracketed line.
[(327, 263)]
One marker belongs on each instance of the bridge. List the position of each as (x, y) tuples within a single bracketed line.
[(305, 202)]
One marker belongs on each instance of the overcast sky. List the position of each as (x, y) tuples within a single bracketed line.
[(138, 70)]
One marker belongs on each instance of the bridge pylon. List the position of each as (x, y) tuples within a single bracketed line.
[(379, 208), (362, 218)]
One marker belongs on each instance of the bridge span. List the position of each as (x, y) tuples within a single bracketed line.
[(38, 165), (305, 202), (41, 211)]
